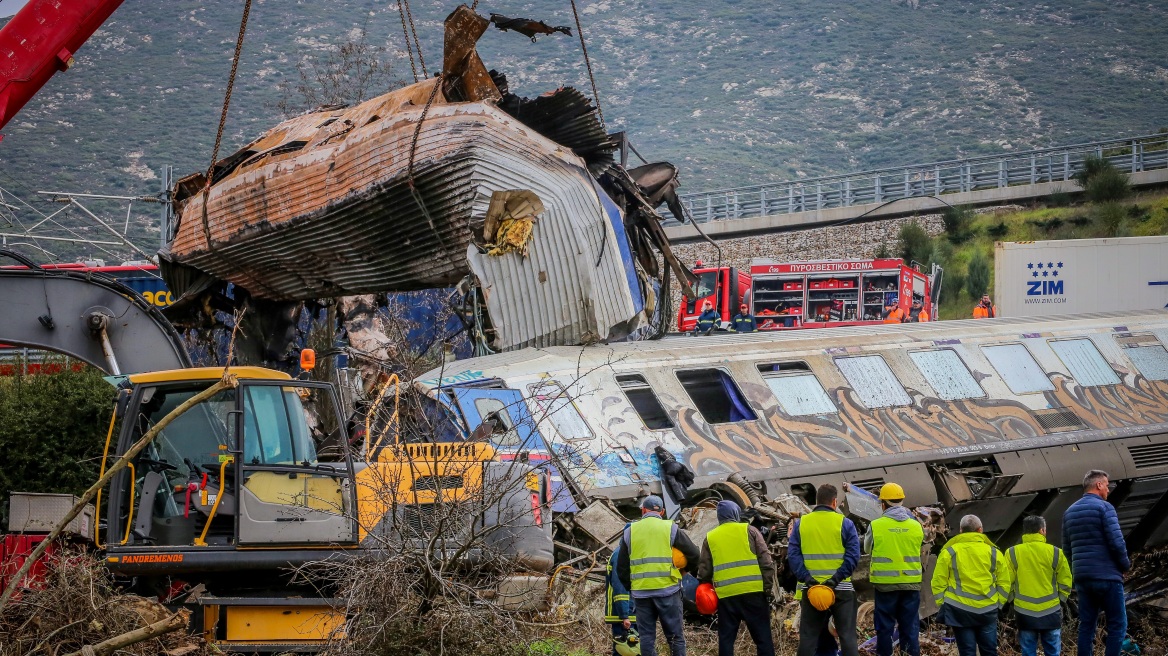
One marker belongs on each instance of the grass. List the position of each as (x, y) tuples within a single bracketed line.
[(1143, 215)]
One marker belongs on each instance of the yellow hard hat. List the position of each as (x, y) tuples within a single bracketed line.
[(821, 597), (679, 560), (891, 492)]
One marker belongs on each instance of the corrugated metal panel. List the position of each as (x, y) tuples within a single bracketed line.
[(567, 288)]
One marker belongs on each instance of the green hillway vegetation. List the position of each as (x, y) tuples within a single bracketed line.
[(1106, 207)]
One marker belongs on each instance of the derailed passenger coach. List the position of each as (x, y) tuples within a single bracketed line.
[(999, 419)]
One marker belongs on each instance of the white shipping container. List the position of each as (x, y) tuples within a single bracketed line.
[(1074, 276)]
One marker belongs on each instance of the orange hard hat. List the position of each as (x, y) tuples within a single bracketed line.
[(706, 599), (679, 560), (821, 597)]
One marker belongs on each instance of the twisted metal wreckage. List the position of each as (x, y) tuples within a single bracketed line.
[(451, 180)]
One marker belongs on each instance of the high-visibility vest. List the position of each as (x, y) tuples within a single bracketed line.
[(822, 542), (923, 317), (977, 581), (1038, 586), (612, 599), (651, 554), (895, 316), (980, 312), (736, 569), (896, 550)]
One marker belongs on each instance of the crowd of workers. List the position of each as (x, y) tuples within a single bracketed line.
[(973, 580)]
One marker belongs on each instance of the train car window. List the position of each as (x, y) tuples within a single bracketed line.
[(644, 401), (1151, 360), (557, 407), (873, 381), (1086, 364), (1017, 367), (797, 390), (716, 396), (947, 374)]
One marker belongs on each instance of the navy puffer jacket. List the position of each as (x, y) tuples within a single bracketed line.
[(1093, 541)]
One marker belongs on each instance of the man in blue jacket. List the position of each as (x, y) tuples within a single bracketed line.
[(818, 538), (618, 608), (1093, 542)]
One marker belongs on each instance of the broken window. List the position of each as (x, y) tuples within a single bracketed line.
[(1151, 360), (798, 391), (644, 401), (947, 374), (1017, 367), (505, 431), (715, 395), (1086, 364), (557, 407), (873, 381)]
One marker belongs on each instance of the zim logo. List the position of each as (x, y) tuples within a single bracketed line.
[(1044, 279)]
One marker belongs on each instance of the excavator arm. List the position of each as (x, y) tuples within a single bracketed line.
[(91, 318), (41, 40)]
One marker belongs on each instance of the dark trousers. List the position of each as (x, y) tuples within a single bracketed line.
[(899, 610), (1105, 597), (812, 623), (973, 639), (667, 610), (827, 645), (751, 608)]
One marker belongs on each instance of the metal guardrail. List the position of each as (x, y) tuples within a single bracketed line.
[(1134, 154)]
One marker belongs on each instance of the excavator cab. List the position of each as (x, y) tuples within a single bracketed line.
[(264, 465)]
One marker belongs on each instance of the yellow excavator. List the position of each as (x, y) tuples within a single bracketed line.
[(261, 478)]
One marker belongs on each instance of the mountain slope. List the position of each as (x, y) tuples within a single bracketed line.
[(736, 92)]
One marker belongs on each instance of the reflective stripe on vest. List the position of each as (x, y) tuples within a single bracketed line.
[(969, 596), (612, 599), (736, 569), (896, 551), (822, 543), (651, 554), (1035, 592)]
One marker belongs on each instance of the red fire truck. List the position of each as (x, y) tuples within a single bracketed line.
[(812, 294)]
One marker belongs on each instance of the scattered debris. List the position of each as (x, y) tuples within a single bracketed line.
[(510, 221), (527, 27)]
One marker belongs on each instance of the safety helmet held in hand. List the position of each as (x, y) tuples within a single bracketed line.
[(706, 599), (679, 560), (629, 645), (821, 597)]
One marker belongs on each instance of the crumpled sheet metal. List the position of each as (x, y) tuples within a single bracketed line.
[(568, 288), (336, 216)]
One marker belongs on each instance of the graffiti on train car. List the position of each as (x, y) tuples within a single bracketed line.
[(929, 423)]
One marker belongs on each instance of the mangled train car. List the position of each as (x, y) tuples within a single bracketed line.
[(453, 178), (1000, 419)]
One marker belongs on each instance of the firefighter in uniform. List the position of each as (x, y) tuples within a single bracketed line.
[(618, 607), (736, 560), (1042, 579), (894, 539), (823, 550), (646, 566), (971, 581), (707, 320), (743, 321)]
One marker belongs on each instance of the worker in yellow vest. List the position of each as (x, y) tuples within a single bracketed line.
[(824, 549), (1042, 580), (647, 568), (894, 539), (971, 581), (736, 560)]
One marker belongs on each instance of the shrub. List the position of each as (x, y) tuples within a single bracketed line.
[(999, 230), (1102, 182), (882, 251), (958, 221), (1110, 219), (1058, 198), (52, 429), (977, 279), (913, 243)]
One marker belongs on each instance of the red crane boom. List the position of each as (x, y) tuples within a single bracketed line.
[(41, 40)]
